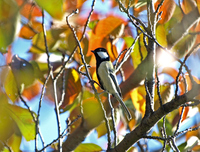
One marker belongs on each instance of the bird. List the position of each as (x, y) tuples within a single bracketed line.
[(107, 77)]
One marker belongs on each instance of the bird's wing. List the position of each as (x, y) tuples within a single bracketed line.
[(113, 76)]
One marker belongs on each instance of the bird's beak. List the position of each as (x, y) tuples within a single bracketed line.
[(92, 51)]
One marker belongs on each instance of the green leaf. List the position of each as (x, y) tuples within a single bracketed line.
[(23, 119), (161, 35), (52, 36), (184, 45), (168, 126), (9, 19), (53, 7), (85, 147), (10, 86), (23, 72), (136, 57)]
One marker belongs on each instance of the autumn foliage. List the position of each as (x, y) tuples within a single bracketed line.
[(60, 68)]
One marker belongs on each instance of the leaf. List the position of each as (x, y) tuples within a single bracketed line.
[(198, 5), (7, 125), (189, 134), (14, 142), (168, 126), (167, 10), (185, 112), (29, 30), (9, 18), (138, 99), (23, 72), (166, 93), (136, 56), (184, 45), (109, 26), (92, 112), (72, 5), (73, 115), (52, 36), (32, 91), (29, 9), (188, 5), (170, 71), (161, 35), (53, 7), (10, 86), (88, 147), (23, 119), (73, 86)]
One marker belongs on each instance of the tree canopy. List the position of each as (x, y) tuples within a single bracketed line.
[(151, 43)]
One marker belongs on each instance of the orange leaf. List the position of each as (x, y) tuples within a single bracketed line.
[(27, 32), (188, 5), (170, 71), (192, 133), (196, 148), (167, 9), (71, 5), (73, 87), (109, 26), (185, 112), (29, 9), (198, 5), (106, 26), (32, 91)]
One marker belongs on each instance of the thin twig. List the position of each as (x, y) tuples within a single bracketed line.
[(39, 108), (54, 84), (113, 121), (126, 56), (62, 135), (158, 89)]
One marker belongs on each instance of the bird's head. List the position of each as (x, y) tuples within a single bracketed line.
[(101, 54)]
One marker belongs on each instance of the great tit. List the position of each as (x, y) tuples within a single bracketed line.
[(107, 77)]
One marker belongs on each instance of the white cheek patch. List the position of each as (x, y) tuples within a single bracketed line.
[(102, 55)]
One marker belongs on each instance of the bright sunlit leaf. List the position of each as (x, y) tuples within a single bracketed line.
[(161, 35), (167, 9), (92, 112), (23, 119), (90, 147), (14, 142), (184, 45), (185, 112), (138, 99), (53, 7)]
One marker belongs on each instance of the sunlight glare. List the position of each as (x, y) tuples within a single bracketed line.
[(164, 59)]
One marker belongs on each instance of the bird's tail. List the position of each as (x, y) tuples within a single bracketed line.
[(123, 106)]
